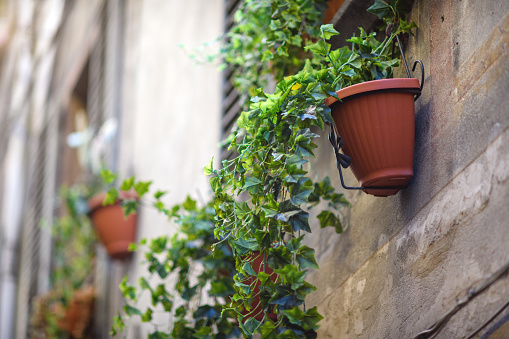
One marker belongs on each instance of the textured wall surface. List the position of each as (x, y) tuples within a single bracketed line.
[(405, 260), (171, 109)]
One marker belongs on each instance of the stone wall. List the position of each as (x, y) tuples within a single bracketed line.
[(405, 260)]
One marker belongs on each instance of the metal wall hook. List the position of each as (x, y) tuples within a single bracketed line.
[(422, 76), (403, 56)]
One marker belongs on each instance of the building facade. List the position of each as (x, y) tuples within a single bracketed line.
[(403, 261)]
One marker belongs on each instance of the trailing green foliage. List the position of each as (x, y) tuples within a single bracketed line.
[(202, 276), (73, 256), (267, 40), (262, 197)]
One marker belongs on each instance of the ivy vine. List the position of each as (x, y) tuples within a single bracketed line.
[(257, 220)]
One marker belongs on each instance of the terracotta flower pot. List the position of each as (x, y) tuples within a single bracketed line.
[(115, 231), (79, 312), (257, 260), (376, 120)]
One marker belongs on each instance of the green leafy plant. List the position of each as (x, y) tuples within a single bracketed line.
[(268, 39), (192, 305), (73, 256), (263, 195)]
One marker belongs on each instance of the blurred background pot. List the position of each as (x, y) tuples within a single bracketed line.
[(115, 230)]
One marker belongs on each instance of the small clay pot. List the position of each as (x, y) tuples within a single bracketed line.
[(258, 263), (115, 231), (376, 120)]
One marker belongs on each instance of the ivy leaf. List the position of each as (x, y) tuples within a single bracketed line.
[(263, 277), (380, 8), (279, 257), (306, 257), (300, 221), (286, 215), (305, 319), (327, 116), (108, 176), (189, 204), (189, 292), (296, 160), (147, 316), (305, 149), (319, 48), (294, 244), (142, 187), (268, 330), (251, 182), (338, 199), (215, 184), (300, 191), (203, 332), (130, 310), (159, 194), (243, 120), (167, 304), (218, 288), (181, 311), (208, 169), (251, 325), (111, 197), (129, 207), (406, 27), (285, 298), (159, 335), (248, 269), (205, 311), (355, 61), (159, 291), (328, 31), (158, 245), (244, 246), (161, 271), (277, 156), (327, 218), (263, 238), (267, 55), (282, 51), (127, 184), (294, 315), (127, 290), (294, 173), (245, 288)]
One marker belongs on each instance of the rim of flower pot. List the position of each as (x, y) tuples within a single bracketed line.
[(396, 84)]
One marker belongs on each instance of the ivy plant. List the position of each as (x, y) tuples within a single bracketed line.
[(73, 255), (268, 38), (191, 306), (263, 196)]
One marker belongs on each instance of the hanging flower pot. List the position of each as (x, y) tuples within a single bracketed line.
[(115, 230), (258, 263), (376, 121), (79, 312)]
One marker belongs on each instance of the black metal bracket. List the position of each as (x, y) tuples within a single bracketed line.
[(343, 160)]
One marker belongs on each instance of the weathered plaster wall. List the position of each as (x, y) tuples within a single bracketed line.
[(405, 260), (171, 108)]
